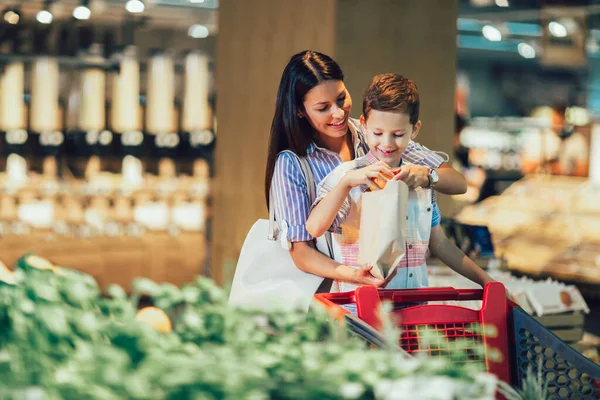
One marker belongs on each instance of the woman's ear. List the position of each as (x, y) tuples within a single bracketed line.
[(416, 129)]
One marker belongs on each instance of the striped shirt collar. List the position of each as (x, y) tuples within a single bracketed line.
[(371, 157), (357, 140)]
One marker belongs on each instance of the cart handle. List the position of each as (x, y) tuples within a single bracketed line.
[(430, 294)]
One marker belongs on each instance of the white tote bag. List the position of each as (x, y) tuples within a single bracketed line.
[(266, 277)]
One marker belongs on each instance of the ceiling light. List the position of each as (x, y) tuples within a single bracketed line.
[(44, 17), (135, 6), (196, 1), (82, 12), (492, 34), (502, 3), (12, 17), (557, 29), (198, 31), (481, 3), (526, 50)]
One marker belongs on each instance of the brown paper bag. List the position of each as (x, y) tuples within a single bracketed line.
[(381, 241)]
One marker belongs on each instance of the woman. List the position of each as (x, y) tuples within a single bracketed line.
[(312, 119)]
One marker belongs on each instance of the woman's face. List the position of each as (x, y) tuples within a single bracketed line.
[(327, 107)]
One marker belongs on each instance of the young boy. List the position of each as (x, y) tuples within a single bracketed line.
[(390, 121)]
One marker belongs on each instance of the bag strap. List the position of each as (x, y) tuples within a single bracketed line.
[(310, 187), (325, 286), (271, 232), (308, 177), (312, 196)]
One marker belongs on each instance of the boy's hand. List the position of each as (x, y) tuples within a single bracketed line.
[(414, 176), (366, 175), (509, 297)]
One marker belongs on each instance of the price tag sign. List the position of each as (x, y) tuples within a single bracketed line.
[(105, 138), (54, 139), (16, 137), (132, 138), (166, 140), (201, 138), (91, 137)]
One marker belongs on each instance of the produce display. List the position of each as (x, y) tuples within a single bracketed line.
[(61, 338), (545, 226), (113, 226)]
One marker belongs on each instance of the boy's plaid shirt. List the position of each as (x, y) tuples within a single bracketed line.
[(346, 225)]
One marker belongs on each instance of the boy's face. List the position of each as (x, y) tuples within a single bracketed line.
[(388, 134)]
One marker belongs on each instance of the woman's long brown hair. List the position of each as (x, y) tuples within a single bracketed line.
[(303, 72)]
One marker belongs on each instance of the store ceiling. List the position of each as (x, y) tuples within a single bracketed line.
[(526, 21), (178, 14)]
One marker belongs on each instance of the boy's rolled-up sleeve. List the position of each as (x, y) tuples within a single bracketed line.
[(436, 215), (326, 185), (418, 154)]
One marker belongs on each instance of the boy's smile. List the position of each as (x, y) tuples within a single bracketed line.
[(388, 134), (386, 153)]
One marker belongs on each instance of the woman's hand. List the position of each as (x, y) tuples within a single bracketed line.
[(366, 175), (414, 176), (360, 276)]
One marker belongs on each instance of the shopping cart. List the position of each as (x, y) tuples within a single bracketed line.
[(566, 372), (521, 341), (450, 322)]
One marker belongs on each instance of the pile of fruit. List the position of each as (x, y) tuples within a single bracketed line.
[(61, 338)]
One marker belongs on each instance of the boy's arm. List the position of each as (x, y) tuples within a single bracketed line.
[(452, 256), (324, 212), (332, 205)]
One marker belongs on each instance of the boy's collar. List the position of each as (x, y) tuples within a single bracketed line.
[(371, 157)]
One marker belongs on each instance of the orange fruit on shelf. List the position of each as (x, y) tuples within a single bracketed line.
[(6, 275), (39, 262), (156, 318)]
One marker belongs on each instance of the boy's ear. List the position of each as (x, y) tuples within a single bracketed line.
[(416, 129), (362, 120)]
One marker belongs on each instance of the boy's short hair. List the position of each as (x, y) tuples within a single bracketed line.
[(393, 93)]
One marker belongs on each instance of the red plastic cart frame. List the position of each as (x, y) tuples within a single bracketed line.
[(493, 312)]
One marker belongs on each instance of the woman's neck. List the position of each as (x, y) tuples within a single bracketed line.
[(341, 145)]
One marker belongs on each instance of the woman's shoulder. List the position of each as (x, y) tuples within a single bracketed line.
[(287, 164), (286, 156), (358, 136), (418, 154), (354, 123)]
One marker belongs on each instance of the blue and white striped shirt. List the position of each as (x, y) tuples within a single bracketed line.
[(333, 179), (289, 186)]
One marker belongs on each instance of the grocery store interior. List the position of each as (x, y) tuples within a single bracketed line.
[(133, 135)]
